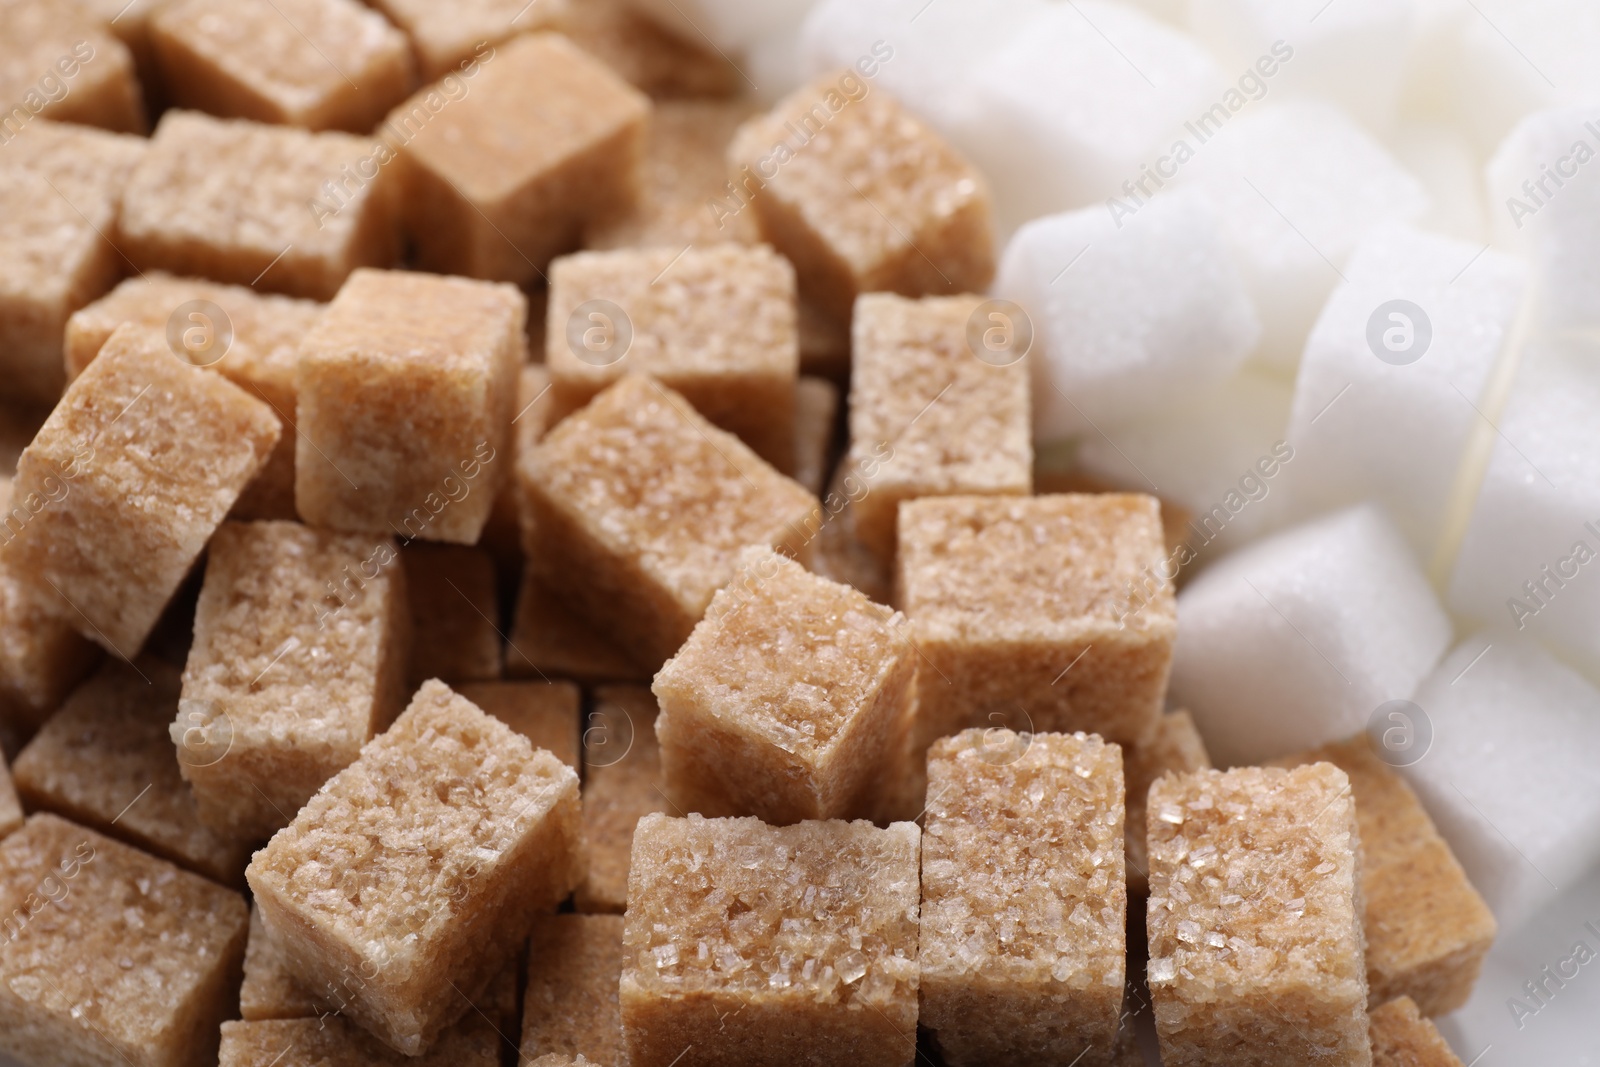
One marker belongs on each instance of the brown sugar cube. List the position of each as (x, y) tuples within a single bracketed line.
[(546, 713), (320, 64), (571, 1009), (41, 657), (300, 641), (421, 866), (810, 935), (451, 589), (506, 176), (1024, 901), (1427, 928), (1254, 919), (1017, 610), (788, 699), (548, 640), (336, 1042), (716, 324), (105, 760), (642, 507), (622, 784), (273, 207), (1173, 747), (112, 955), (59, 61), (460, 37), (254, 342), (271, 991), (143, 457), (861, 196), (927, 416), (10, 806), (60, 187), (1050, 477), (816, 409), (1401, 1037), (652, 58), (406, 388), (685, 172)]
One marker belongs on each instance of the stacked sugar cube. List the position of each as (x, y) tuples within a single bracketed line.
[(610, 531)]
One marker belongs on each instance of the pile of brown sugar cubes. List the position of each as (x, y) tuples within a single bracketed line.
[(509, 562)]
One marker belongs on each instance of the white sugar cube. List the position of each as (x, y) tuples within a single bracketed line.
[(932, 48), (1295, 640), (1130, 317), (1530, 557), (1221, 454), (1521, 56), (1388, 391), (1091, 95), (1510, 778), (1544, 196), (1352, 52), (1298, 185)]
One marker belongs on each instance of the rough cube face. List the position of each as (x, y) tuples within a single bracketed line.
[(421, 865), (717, 324), (685, 172), (928, 416), (10, 806), (641, 507), (1254, 918), (271, 991), (571, 1008), (1052, 608), (548, 640), (41, 657), (448, 38), (1173, 747), (861, 196), (546, 713), (246, 203), (652, 58), (816, 409), (62, 63), (336, 1042), (60, 187), (321, 64), (406, 392), (833, 983), (105, 760), (254, 343), (1427, 929), (1401, 1037), (451, 589), (140, 461), (1024, 898), (622, 783), (505, 178), (300, 641), (145, 958), (787, 701)]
